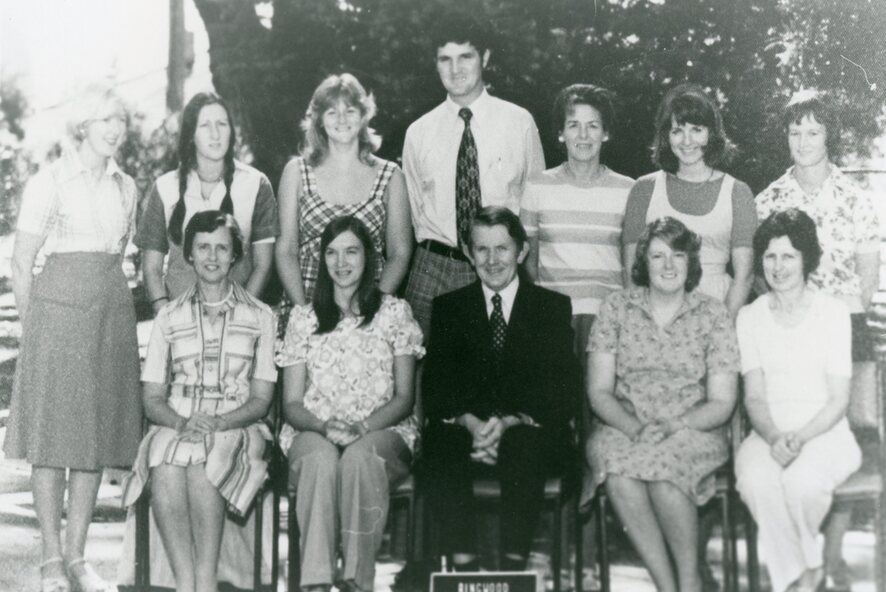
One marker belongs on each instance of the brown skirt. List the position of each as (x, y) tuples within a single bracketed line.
[(75, 400)]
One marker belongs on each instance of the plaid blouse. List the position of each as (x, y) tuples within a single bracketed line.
[(315, 214), (61, 204)]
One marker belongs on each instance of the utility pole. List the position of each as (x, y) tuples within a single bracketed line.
[(177, 66)]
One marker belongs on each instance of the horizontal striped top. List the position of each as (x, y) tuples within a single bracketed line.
[(578, 227)]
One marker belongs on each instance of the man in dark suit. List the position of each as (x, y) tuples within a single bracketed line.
[(499, 388)]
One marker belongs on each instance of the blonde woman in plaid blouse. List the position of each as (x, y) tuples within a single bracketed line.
[(337, 175), (75, 404)]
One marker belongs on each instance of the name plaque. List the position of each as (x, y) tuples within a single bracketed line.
[(485, 581)]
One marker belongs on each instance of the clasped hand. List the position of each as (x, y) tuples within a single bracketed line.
[(340, 432), (200, 424), (785, 448), (486, 437), (655, 431)]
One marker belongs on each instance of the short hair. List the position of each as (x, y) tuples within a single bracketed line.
[(461, 27), (599, 98), (210, 221), (498, 216), (368, 295), (689, 103), (187, 159), (679, 238), (336, 87), (817, 105), (87, 104), (795, 224)]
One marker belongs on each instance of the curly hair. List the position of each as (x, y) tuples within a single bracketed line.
[(679, 238), (795, 224)]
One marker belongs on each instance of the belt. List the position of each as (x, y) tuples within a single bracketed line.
[(197, 391), (444, 250)]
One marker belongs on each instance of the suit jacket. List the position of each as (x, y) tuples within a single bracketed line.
[(539, 375)]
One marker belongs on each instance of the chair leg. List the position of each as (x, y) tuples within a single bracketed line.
[(556, 551), (410, 542), (257, 549), (579, 545), (294, 551), (143, 543), (751, 547), (275, 538), (730, 566), (602, 543), (880, 547)]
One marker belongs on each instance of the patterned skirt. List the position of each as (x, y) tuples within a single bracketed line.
[(233, 459), (75, 400)]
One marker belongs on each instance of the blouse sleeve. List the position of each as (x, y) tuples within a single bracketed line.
[(151, 228), (263, 366), (39, 205), (529, 209), (639, 198), (293, 349), (604, 333), (867, 226), (265, 226), (839, 341), (744, 216), (722, 348), (156, 368), (747, 343), (401, 329)]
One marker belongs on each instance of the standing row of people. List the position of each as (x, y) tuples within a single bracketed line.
[(501, 381)]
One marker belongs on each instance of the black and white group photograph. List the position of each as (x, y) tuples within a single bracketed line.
[(443, 296)]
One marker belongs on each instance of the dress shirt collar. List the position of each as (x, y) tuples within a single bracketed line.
[(479, 108), (507, 298)]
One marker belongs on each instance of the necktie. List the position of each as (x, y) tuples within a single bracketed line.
[(467, 179), (498, 326)]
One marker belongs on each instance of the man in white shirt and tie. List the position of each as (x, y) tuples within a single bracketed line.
[(472, 150)]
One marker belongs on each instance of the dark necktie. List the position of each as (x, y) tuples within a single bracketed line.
[(467, 179), (498, 326)]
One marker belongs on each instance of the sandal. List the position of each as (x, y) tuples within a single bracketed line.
[(88, 580), (53, 583)]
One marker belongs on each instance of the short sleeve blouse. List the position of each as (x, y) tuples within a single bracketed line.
[(351, 368), (62, 205)]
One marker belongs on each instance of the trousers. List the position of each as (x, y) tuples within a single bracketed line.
[(790, 503), (342, 496), (527, 456)]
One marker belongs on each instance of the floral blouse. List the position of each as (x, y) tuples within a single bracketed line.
[(351, 368), (845, 219), (660, 371)]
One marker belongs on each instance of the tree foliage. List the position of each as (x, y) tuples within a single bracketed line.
[(751, 54)]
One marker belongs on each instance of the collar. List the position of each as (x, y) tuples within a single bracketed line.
[(239, 295), (639, 298), (71, 166), (479, 108), (508, 295), (836, 179)]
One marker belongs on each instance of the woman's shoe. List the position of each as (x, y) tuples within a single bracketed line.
[(53, 583), (838, 578), (87, 580)]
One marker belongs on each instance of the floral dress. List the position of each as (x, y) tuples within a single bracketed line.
[(351, 368), (660, 374)]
